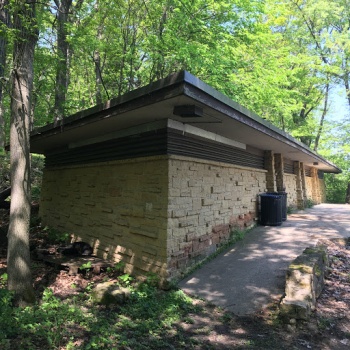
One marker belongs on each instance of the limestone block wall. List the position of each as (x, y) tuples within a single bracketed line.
[(119, 207), (157, 214), (309, 190), (291, 189), (316, 190), (206, 201), (322, 187)]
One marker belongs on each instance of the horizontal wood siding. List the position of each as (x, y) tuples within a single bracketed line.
[(143, 145), (288, 166), (308, 171), (152, 143), (198, 147)]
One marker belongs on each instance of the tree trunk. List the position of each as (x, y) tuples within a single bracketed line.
[(62, 72), (324, 112), (18, 257), (3, 48), (97, 61), (347, 87), (347, 198)]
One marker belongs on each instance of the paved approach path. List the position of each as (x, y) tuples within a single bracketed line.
[(251, 274)]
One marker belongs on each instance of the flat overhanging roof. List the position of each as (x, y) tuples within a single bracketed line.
[(156, 102)]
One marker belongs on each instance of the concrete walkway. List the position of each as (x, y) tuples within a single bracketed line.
[(251, 274)]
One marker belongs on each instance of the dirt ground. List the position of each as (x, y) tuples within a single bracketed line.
[(213, 328)]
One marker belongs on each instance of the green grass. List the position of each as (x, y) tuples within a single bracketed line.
[(146, 321)]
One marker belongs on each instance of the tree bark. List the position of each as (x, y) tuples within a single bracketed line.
[(4, 18), (97, 61), (347, 87), (347, 197), (62, 72), (18, 256), (324, 112)]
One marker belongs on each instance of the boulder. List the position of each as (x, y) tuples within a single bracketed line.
[(304, 283), (108, 293)]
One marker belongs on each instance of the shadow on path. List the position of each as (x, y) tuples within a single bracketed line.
[(251, 274)]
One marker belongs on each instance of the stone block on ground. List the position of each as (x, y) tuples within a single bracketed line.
[(108, 293), (304, 283)]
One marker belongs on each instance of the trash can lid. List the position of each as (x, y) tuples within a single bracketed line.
[(271, 195)]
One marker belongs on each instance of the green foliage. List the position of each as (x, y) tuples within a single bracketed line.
[(236, 235), (3, 280), (309, 203), (36, 173), (118, 267), (336, 148), (290, 210), (37, 166), (272, 57), (86, 266), (141, 323), (5, 175), (152, 279), (55, 236), (48, 325), (125, 280), (335, 188)]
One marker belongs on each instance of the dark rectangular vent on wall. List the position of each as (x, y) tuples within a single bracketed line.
[(288, 166), (307, 171), (152, 143), (320, 174), (198, 147)]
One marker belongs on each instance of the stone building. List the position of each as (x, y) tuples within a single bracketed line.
[(159, 177)]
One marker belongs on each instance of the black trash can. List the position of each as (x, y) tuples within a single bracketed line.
[(284, 204), (270, 209)]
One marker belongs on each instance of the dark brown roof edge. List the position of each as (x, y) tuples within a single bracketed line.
[(188, 82)]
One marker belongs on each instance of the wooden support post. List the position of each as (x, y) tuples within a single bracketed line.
[(300, 180), (270, 167), (316, 196), (279, 170)]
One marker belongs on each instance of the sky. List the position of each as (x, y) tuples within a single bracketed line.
[(339, 109)]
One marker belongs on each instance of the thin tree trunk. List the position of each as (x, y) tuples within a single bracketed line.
[(4, 18), (18, 257), (62, 72), (97, 61), (347, 87), (347, 197), (324, 112)]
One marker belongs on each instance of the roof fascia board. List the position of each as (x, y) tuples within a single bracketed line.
[(202, 92), (185, 128), (174, 85), (166, 88)]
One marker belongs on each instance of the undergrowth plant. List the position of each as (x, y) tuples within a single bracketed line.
[(75, 323), (55, 236), (309, 203)]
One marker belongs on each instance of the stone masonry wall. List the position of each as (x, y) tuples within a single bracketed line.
[(309, 190), (320, 196), (157, 214), (322, 185), (206, 201), (291, 189), (119, 207)]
